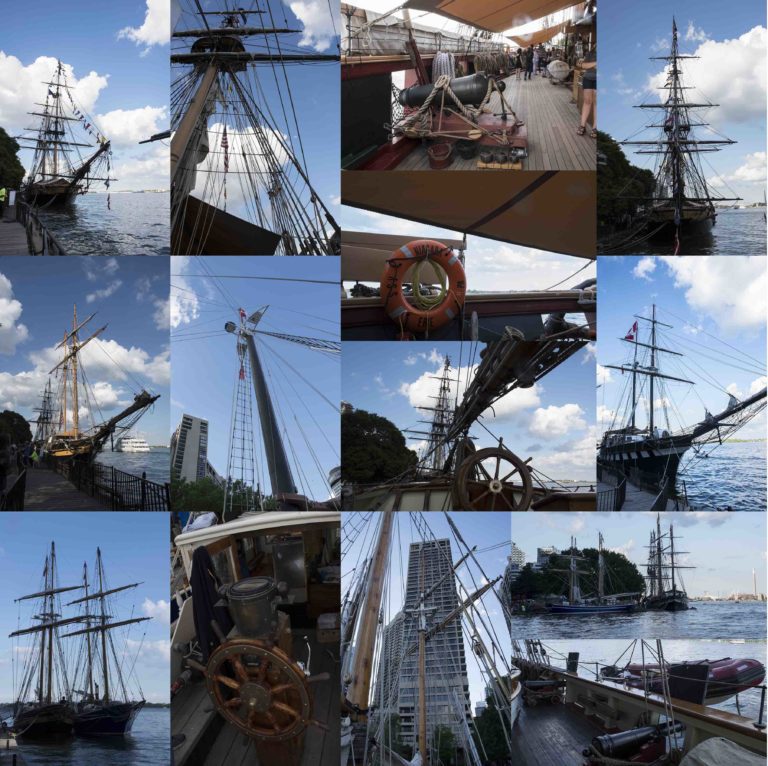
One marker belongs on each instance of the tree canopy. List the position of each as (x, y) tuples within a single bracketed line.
[(490, 732), (16, 426), (11, 170), (373, 449)]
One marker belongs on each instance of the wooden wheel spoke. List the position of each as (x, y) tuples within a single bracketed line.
[(283, 708), (511, 473), (509, 505), (233, 703), (280, 688), (487, 475), (227, 681), (240, 671), (498, 467), (480, 497), (493, 501), (262, 671), (272, 721)]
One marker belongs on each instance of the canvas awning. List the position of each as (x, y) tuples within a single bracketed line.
[(550, 210), (542, 36), (493, 15)]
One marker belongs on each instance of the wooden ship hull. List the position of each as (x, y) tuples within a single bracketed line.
[(47, 721), (654, 458), (591, 608), (111, 718), (669, 601), (42, 193)]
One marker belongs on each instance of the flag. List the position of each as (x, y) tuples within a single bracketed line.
[(632, 334), (242, 313), (242, 373), (225, 147), (109, 202)]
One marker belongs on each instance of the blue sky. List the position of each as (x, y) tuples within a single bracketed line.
[(553, 421), (134, 547), (724, 547), (118, 58), (710, 301), (731, 71), (198, 313), (130, 296), (481, 529)]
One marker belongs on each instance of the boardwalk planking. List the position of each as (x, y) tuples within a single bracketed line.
[(49, 491), (13, 237), (551, 120)]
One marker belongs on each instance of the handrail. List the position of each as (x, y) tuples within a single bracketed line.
[(37, 231)]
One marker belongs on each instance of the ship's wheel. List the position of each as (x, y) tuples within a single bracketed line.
[(476, 488), (259, 689)]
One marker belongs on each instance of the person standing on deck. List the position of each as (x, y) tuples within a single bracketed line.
[(3, 197), (528, 62), (518, 63), (589, 89), (536, 57)]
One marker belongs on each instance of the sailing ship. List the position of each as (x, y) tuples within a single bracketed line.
[(683, 201), (645, 451), (42, 709), (106, 709), (59, 170), (665, 588), (602, 603), (60, 431), (220, 110)]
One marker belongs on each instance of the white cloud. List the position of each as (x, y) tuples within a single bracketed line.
[(605, 417), (156, 29), (758, 385), (555, 422), (184, 303), (12, 332), (590, 353), (730, 73), (148, 170), (626, 549), (129, 126), (162, 313), (603, 375), (158, 610), (315, 15), (731, 290), (751, 171), (644, 268), (104, 292), (694, 34), (576, 461)]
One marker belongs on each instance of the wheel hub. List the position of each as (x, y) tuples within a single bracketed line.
[(256, 696), (495, 486)]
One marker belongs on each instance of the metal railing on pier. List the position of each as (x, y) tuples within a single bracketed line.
[(612, 499), (13, 499), (39, 239), (121, 491)]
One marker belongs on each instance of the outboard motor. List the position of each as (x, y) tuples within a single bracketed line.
[(470, 90)]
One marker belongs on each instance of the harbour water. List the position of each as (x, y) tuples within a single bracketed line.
[(137, 224), (707, 619), (147, 745), (609, 651), (156, 464), (712, 483)]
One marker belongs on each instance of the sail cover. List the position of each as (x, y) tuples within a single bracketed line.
[(517, 208), (493, 15), (542, 36)]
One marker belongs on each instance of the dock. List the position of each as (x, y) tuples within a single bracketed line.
[(636, 499), (49, 491), (551, 119), (13, 236)]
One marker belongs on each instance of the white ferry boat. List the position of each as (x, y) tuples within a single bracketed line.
[(133, 444)]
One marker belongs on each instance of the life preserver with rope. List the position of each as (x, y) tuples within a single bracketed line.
[(424, 312)]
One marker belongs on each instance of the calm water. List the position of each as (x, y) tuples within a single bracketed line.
[(147, 745), (737, 232), (157, 463), (708, 619), (137, 224), (608, 653), (733, 475)]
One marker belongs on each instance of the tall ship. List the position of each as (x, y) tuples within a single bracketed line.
[(70, 152), (683, 202), (104, 707), (640, 443), (42, 708), (665, 591), (61, 430)]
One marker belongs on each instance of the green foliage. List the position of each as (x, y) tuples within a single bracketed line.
[(444, 744), (15, 425), (202, 496), (372, 448), (490, 732), (11, 170), (618, 182), (393, 737), (622, 576)]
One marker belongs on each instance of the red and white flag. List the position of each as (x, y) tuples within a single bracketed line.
[(632, 334)]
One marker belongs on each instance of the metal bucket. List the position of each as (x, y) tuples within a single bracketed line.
[(250, 603)]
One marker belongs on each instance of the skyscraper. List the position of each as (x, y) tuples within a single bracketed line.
[(189, 450)]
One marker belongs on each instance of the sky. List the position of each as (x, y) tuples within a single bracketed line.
[(313, 88), (490, 265), (119, 70), (724, 548), (199, 309), (129, 295), (491, 530), (134, 546), (553, 421), (710, 302), (731, 71)]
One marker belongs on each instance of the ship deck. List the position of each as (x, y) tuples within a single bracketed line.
[(210, 741), (551, 119), (551, 735)]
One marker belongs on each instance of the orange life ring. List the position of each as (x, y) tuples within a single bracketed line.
[(407, 316)]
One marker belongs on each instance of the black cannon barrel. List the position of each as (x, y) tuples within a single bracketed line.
[(629, 742), (469, 90)]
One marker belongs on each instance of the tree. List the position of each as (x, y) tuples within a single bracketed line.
[(444, 744), (201, 496), (11, 170), (373, 449), (489, 733), (392, 737), (15, 425)]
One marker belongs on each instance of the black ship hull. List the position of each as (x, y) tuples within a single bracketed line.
[(44, 722), (671, 601), (110, 719), (655, 459), (43, 195)]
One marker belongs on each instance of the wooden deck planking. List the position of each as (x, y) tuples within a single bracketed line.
[(13, 236), (551, 120), (50, 491), (551, 735)]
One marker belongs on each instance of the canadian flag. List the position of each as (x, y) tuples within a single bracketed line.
[(242, 315), (632, 334)]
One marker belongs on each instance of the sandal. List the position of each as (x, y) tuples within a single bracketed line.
[(581, 131), (593, 133)]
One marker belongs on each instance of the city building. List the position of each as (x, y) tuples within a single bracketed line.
[(189, 451), (543, 555)]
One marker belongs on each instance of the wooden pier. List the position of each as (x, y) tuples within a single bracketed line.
[(50, 491), (13, 236)]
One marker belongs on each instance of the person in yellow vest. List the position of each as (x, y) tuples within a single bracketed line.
[(3, 197)]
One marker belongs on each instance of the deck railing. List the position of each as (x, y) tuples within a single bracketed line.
[(121, 491), (39, 239), (612, 500), (13, 499)]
